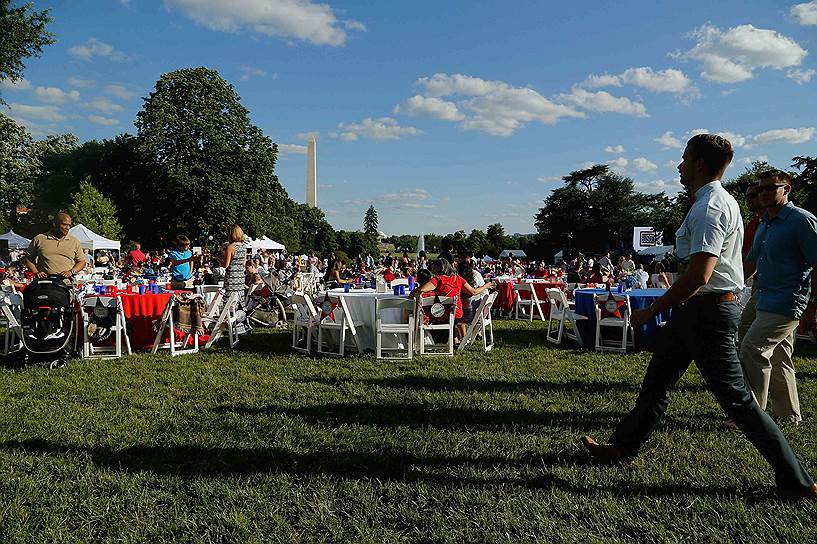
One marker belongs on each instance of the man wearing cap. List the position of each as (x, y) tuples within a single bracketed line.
[(55, 253), (705, 316), (784, 254)]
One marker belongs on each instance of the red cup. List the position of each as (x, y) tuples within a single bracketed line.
[(130, 288), (168, 287)]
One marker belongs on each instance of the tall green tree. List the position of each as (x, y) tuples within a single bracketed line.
[(88, 207), (496, 239), (213, 166), (370, 222), (805, 182), (18, 166), (22, 35)]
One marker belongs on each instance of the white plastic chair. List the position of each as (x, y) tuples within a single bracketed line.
[(606, 305), (406, 326), (304, 324), (442, 309), (481, 324), (562, 312), (530, 302), (109, 305), (10, 308), (335, 316)]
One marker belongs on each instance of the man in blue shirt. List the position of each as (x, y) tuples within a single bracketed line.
[(784, 253), (181, 264), (705, 316)]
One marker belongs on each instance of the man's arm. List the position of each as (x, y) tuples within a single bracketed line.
[(808, 320), (33, 267), (749, 269), (698, 273)]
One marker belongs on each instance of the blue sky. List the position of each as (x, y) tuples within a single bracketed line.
[(448, 115)]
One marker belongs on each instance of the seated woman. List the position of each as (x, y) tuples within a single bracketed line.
[(659, 278), (445, 282), (470, 304), (388, 275), (334, 274), (597, 275)]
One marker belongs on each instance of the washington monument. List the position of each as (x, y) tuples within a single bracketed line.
[(311, 173)]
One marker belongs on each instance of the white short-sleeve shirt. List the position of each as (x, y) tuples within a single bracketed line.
[(713, 225)]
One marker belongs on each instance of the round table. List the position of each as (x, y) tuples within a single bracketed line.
[(361, 305), (639, 299)]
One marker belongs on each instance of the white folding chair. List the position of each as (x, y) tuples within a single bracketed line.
[(10, 307), (216, 322), (440, 314), (561, 311), (167, 324), (103, 306), (613, 311), (335, 317), (304, 324), (405, 326), (481, 324), (527, 300)]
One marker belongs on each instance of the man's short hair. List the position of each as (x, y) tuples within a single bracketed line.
[(59, 216), (774, 173), (716, 151), (181, 239)]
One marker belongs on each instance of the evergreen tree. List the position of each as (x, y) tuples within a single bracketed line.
[(90, 208), (370, 222)]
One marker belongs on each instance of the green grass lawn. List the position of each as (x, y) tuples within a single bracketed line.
[(262, 446)]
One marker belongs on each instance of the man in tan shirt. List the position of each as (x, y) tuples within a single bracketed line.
[(55, 253)]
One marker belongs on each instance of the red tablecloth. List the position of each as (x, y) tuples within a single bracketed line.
[(506, 296)]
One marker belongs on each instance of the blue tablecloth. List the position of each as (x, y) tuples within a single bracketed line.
[(639, 299)]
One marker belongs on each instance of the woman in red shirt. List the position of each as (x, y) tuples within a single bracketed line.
[(446, 283)]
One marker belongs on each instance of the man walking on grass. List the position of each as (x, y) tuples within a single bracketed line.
[(705, 316), (784, 253)]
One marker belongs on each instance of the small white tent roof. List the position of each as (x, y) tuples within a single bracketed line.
[(15, 240), (657, 250), (266, 243), (88, 239), (513, 253)]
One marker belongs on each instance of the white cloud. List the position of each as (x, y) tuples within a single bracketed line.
[(99, 120), (42, 113), (548, 179), (732, 56), (119, 91), (430, 106), (614, 149), (670, 80), (806, 14), (292, 148), (618, 165), (752, 158), (669, 141), (306, 135), (19, 85), (801, 76), (602, 101), (493, 107), (299, 19), (249, 72), (643, 165), (670, 187), (384, 128), (55, 95), (80, 83), (95, 48), (672, 164), (104, 105), (785, 136)]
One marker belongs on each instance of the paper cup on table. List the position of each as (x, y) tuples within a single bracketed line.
[(141, 289), (346, 287)]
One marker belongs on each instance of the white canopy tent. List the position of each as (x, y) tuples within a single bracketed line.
[(656, 250), (513, 253), (15, 240), (265, 243), (88, 239)]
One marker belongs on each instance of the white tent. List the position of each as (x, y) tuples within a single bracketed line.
[(656, 250), (88, 239), (513, 253), (265, 243), (15, 240)]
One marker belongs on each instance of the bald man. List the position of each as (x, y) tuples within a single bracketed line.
[(55, 253)]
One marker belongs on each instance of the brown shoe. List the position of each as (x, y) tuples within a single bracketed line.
[(605, 453)]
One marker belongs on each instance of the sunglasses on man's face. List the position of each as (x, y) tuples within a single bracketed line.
[(772, 187)]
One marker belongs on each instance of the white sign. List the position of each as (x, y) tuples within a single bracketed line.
[(644, 237)]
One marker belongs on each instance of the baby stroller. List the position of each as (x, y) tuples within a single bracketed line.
[(48, 321), (267, 303)]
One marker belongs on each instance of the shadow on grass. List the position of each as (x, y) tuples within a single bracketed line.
[(437, 383), (422, 415), (196, 461)]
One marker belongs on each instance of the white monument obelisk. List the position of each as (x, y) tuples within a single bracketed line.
[(311, 173)]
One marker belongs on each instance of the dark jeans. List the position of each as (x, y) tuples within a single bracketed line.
[(704, 330)]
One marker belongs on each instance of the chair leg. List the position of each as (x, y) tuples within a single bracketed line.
[(342, 339), (378, 343)]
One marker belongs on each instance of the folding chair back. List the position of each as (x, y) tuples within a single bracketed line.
[(613, 311), (335, 316), (305, 320), (481, 324), (527, 300), (437, 314), (109, 308), (387, 328)]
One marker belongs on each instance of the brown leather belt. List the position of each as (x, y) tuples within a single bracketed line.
[(714, 297)]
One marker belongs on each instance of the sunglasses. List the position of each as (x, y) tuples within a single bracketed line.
[(769, 188)]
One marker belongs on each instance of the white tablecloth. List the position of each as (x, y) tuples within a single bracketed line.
[(361, 305)]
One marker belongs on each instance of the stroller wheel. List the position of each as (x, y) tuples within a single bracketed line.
[(59, 363)]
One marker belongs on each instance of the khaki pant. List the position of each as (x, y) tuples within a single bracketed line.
[(747, 317), (765, 352)]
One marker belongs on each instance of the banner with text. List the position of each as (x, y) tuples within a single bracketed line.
[(644, 237)]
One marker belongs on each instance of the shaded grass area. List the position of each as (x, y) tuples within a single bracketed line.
[(260, 445)]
